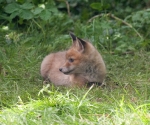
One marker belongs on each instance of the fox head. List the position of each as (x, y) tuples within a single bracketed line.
[(75, 56)]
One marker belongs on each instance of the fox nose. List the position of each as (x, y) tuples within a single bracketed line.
[(60, 69)]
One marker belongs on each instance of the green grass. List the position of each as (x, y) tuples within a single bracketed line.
[(24, 100)]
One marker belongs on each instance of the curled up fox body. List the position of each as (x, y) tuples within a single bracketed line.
[(79, 66)]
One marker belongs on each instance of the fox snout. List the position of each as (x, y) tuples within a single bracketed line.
[(66, 70), (60, 69)]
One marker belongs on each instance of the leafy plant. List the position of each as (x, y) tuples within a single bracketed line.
[(141, 21), (29, 10), (116, 34)]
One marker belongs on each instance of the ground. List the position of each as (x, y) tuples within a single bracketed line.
[(24, 99)]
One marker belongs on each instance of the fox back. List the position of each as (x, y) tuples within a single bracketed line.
[(78, 66)]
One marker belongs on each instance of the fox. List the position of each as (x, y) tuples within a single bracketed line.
[(81, 65)]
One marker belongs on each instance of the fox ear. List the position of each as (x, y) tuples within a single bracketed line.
[(78, 43), (73, 36)]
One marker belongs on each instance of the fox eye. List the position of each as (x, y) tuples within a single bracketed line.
[(71, 60)]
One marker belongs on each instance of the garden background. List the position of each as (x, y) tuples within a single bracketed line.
[(31, 29)]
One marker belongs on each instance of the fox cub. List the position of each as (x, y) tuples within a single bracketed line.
[(79, 66)]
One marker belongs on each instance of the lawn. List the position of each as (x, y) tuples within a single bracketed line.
[(25, 100)]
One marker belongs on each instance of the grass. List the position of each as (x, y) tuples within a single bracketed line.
[(125, 100)]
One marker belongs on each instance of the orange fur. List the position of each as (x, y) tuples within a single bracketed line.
[(81, 64)]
